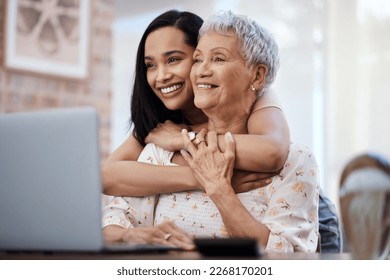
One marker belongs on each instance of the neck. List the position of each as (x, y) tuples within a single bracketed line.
[(194, 115), (233, 124)]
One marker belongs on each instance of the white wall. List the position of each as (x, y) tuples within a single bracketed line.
[(358, 83)]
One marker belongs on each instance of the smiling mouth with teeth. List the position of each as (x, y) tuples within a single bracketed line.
[(171, 88), (205, 86)]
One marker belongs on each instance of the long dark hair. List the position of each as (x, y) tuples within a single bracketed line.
[(147, 110)]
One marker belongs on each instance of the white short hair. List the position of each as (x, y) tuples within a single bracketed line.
[(257, 45)]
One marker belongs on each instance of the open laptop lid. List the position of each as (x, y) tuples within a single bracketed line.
[(50, 189)]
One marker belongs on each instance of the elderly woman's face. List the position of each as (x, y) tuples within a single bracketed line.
[(220, 77)]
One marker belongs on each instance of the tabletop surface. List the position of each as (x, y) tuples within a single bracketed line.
[(174, 255)]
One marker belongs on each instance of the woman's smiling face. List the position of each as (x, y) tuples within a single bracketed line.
[(168, 60), (220, 76)]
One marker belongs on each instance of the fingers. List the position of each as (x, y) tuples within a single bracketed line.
[(175, 236), (257, 184), (166, 234), (200, 137), (246, 181), (186, 157), (230, 146), (257, 176), (262, 183), (179, 237), (188, 145), (212, 140)]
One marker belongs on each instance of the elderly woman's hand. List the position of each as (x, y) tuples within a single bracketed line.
[(167, 136), (212, 168), (166, 234)]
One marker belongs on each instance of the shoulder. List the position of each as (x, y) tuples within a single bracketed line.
[(268, 99)]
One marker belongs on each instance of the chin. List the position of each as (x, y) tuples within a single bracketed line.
[(201, 103), (173, 106)]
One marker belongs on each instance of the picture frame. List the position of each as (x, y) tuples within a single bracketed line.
[(48, 37)]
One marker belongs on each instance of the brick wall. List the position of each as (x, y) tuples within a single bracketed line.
[(26, 91)]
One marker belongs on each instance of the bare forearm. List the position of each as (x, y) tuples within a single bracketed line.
[(258, 153), (113, 233), (131, 178), (238, 221)]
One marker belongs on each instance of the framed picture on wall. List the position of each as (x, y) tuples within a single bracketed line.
[(48, 37)]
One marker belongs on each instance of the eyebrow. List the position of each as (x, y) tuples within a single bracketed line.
[(168, 53), (216, 49)]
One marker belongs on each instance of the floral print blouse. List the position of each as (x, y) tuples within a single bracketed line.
[(288, 206)]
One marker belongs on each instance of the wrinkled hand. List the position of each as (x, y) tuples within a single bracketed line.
[(166, 234), (244, 181), (212, 168), (167, 136)]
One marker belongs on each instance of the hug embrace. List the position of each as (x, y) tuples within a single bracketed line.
[(210, 153)]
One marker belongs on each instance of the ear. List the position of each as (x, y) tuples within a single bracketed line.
[(259, 74)]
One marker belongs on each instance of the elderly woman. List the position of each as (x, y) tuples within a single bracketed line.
[(234, 62)]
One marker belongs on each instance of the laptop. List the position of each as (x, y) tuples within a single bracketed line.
[(50, 185)]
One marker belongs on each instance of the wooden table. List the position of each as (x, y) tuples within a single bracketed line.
[(162, 256)]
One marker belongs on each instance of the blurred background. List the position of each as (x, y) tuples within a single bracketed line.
[(334, 80)]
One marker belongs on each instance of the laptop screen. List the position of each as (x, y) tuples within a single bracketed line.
[(50, 189)]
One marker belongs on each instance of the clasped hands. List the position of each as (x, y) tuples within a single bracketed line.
[(172, 137), (213, 168)]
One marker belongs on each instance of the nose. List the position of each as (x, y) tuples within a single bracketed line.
[(202, 69), (163, 74)]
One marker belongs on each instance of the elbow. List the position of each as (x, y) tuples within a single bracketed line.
[(277, 157), (107, 180)]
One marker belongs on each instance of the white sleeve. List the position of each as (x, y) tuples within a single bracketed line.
[(292, 215), (131, 212), (155, 155)]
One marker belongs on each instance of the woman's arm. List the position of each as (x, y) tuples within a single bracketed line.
[(123, 175), (266, 146), (238, 221), (263, 150)]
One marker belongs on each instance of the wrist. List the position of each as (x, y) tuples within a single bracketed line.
[(220, 191), (176, 143)]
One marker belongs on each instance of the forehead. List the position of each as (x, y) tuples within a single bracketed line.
[(165, 39), (212, 40)]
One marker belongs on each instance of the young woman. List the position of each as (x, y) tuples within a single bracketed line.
[(163, 103)]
